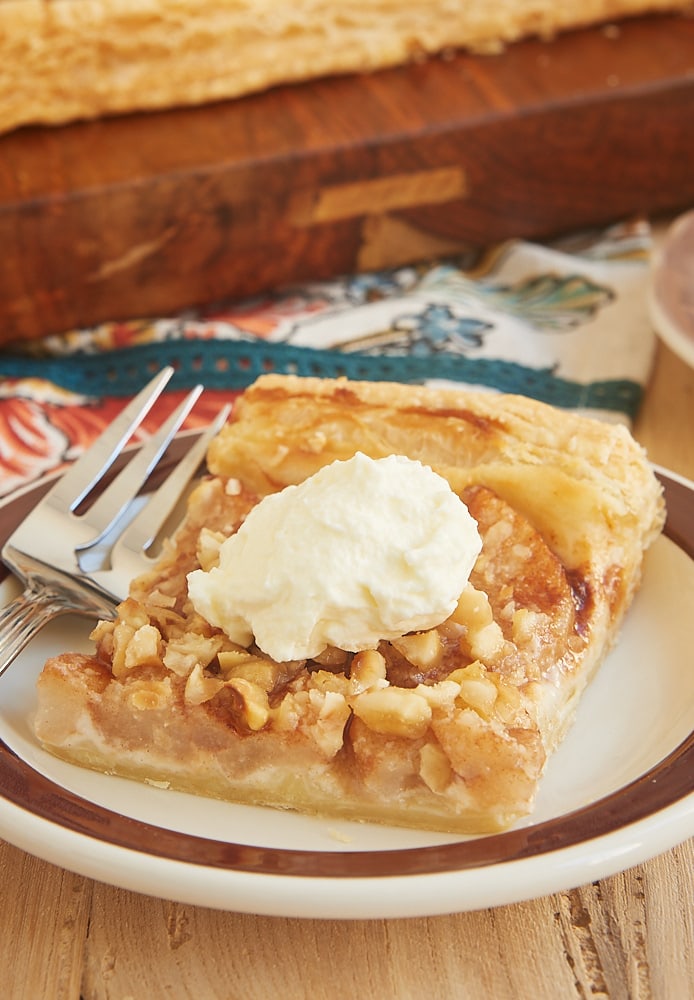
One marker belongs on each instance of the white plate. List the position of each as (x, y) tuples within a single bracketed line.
[(617, 792), (671, 288)]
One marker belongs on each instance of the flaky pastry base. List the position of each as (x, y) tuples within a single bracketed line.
[(448, 729)]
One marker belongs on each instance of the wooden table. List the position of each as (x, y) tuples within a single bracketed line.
[(142, 215), (629, 936)]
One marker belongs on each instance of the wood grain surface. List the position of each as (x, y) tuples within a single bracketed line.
[(628, 937), (144, 214)]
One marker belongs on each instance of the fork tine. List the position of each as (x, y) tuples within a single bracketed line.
[(109, 507), (74, 486), (127, 553)]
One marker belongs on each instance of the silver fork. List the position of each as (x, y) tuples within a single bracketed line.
[(52, 549)]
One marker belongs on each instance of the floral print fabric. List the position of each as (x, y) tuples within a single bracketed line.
[(565, 323)]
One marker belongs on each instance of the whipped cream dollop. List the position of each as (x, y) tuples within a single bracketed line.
[(361, 551)]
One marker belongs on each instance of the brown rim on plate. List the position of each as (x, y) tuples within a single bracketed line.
[(661, 786)]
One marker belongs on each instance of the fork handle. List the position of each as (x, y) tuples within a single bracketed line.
[(23, 618)]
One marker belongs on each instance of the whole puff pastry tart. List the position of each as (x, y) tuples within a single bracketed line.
[(448, 727)]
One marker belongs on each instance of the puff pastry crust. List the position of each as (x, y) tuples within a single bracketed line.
[(448, 729)]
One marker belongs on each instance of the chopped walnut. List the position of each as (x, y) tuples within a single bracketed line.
[(392, 710), (209, 544), (256, 707), (144, 648), (485, 644), (473, 609), (191, 650), (422, 649), (477, 691), (331, 715), (201, 687), (368, 670), (257, 668)]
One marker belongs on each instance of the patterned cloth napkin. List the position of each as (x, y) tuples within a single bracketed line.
[(565, 323)]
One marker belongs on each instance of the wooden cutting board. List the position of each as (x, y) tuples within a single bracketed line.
[(150, 213)]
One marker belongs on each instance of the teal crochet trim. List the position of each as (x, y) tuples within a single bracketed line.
[(233, 364)]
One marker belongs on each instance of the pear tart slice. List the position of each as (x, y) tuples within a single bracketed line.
[(448, 728)]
